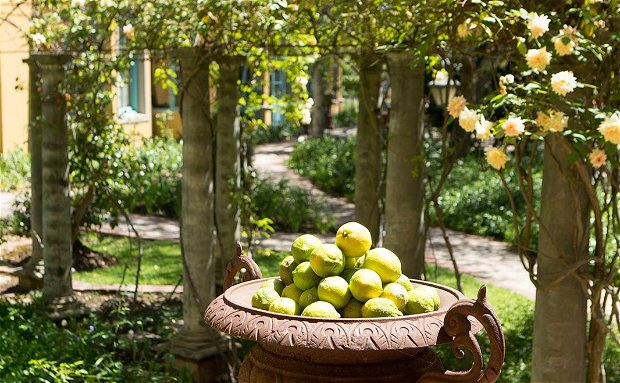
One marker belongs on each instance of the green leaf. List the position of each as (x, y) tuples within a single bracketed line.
[(521, 47)]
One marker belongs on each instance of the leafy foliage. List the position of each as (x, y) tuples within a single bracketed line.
[(103, 347), (266, 134), (347, 117), (14, 170), (291, 208), (474, 200), (151, 180), (328, 162)]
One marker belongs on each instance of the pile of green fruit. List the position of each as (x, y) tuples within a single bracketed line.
[(347, 279)]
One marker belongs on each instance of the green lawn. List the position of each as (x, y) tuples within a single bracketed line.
[(161, 261)]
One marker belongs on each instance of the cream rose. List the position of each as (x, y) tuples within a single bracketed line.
[(456, 106), (483, 129), (538, 25), (128, 31), (610, 128), (597, 157), (496, 158), (563, 82), (538, 59), (552, 121), (564, 49), (513, 127), (467, 119)]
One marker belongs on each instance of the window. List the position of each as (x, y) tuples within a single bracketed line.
[(277, 83), (131, 97)]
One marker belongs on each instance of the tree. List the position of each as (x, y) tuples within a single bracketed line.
[(561, 93)]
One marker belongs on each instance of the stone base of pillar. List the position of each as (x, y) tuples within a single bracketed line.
[(65, 307), (29, 278), (208, 355)]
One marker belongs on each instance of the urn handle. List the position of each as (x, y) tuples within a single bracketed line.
[(239, 262), (458, 327)]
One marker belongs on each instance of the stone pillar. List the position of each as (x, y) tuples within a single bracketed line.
[(196, 342), (404, 195), (30, 275), (368, 146), (57, 246), (227, 163)]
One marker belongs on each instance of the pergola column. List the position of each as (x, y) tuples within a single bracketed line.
[(227, 174), (196, 342), (404, 199), (56, 217)]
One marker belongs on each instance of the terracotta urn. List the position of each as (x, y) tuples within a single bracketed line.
[(292, 348)]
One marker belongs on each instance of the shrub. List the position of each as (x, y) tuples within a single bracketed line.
[(474, 201), (152, 181), (14, 170), (291, 208), (328, 162), (266, 134), (347, 117), (20, 220)]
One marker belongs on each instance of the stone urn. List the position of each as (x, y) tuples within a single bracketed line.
[(292, 348)]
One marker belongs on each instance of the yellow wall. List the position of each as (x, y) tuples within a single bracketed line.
[(13, 77), (14, 82)]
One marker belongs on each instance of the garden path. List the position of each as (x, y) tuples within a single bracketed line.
[(487, 259)]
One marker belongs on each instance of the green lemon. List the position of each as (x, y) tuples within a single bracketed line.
[(422, 299), (275, 284), (320, 309), (304, 277), (405, 282), (291, 291), (307, 297), (380, 307), (365, 284), (397, 294), (353, 309), (263, 297), (287, 266), (334, 290), (353, 239), (327, 260), (350, 263), (284, 306), (347, 274), (383, 262), (302, 247)]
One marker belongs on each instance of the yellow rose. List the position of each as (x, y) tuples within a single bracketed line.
[(553, 121), (610, 128), (456, 106), (496, 158), (538, 59), (467, 119), (538, 25), (563, 82), (513, 127), (597, 157)]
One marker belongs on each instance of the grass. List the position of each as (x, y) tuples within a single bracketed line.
[(161, 262)]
